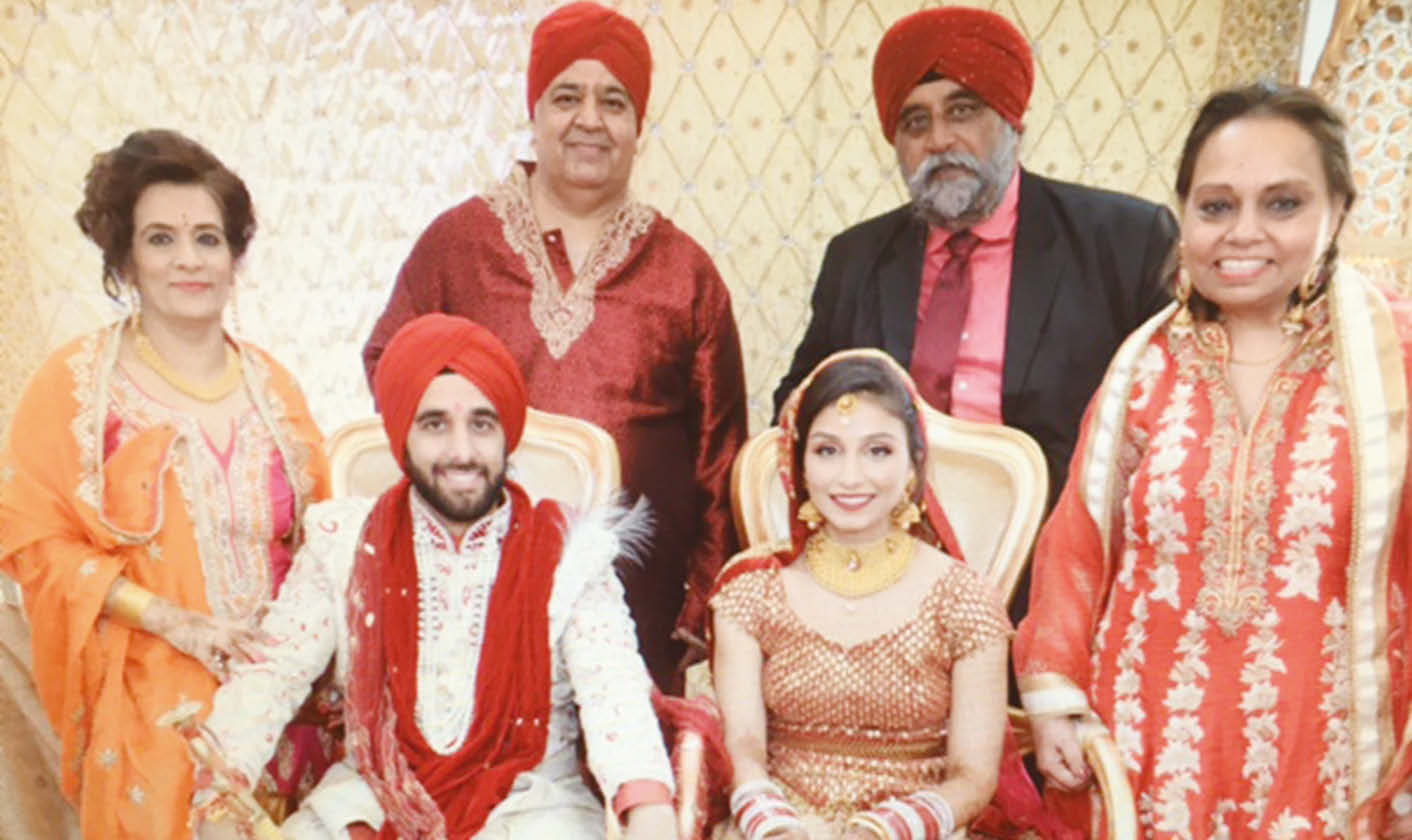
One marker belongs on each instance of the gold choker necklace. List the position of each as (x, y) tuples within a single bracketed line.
[(855, 572), (216, 391)]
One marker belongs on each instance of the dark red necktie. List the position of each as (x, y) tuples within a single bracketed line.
[(939, 332)]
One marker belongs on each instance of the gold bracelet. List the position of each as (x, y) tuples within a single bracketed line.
[(870, 823), (128, 601)]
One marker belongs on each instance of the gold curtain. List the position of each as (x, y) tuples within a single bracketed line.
[(355, 123)]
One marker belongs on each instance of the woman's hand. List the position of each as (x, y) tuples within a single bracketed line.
[(800, 834), (1059, 753), (1399, 815), (214, 642)]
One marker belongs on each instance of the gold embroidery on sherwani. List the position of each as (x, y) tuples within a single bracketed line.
[(562, 316)]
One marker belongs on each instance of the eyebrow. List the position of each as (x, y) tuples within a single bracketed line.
[(166, 226), (578, 87), (1287, 183)]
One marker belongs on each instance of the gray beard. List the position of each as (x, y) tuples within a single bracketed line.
[(963, 200)]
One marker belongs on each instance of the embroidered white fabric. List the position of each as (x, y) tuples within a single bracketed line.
[(454, 578), (599, 680)]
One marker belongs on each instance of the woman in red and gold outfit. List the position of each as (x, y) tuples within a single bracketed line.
[(860, 669), (1225, 579), (152, 486)]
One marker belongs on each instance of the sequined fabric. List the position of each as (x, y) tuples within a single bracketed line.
[(851, 726)]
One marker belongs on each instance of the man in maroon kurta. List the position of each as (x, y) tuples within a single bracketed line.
[(613, 313)]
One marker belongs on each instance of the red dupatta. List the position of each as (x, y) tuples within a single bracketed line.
[(425, 794)]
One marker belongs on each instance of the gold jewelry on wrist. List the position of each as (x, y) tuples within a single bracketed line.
[(127, 602), (870, 823)]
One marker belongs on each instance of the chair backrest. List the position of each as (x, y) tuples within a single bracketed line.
[(991, 481), (559, 457)]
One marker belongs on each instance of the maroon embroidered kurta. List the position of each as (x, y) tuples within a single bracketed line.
[(642, 341)]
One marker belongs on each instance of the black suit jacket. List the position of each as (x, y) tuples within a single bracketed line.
[(1086, 272)]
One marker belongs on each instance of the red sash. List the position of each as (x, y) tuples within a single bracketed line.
[(424, 794)]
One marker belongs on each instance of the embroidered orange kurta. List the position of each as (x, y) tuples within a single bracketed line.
[(641, 340), (1231, 599), (74, 517)]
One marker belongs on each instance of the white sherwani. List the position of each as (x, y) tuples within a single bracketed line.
[(599, 681)]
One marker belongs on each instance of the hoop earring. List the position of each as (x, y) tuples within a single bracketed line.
[(809, 515)]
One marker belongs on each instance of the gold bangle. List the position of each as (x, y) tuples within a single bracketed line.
[(871, 823), (128, 601)]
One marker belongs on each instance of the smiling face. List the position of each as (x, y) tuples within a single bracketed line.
[(456, 451), (180, 261), (956, 153), (1258, 217), (585, 129), (856, 467)]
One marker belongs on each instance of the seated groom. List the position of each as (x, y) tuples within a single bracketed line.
[(473, 632)]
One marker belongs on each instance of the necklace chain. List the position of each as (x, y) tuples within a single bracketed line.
[(855, 572), (211, 392)]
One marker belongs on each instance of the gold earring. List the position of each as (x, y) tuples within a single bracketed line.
[(1182, 321), (809, 515), (906, 513), (1295, 317)]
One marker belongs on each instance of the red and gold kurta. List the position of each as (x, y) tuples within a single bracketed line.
[(100, 481), (641, 341), (1229, 598)]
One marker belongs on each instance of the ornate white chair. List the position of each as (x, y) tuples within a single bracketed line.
[(992, 482), (559, 457)]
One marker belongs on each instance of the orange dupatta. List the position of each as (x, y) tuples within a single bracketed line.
[(71, 522)]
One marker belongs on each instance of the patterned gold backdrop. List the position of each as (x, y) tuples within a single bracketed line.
[(354, 123)]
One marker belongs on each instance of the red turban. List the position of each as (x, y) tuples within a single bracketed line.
[(979, 50), (430, 344), (587, 30)]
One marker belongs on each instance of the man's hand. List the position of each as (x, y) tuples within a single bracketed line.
[(1059, 754), (651, 822)]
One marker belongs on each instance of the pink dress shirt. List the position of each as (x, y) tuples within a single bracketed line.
[(980, 361)]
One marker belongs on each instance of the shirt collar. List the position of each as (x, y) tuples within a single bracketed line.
[(996, 229), (426, 523)]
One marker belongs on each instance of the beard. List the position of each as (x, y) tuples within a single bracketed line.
[(458, 509), (961, 200)]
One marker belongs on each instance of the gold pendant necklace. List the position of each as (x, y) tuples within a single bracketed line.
[(855, 572), (216, 391)]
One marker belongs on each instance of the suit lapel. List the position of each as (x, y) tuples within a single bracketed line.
[(898, 275), (1035, 276)]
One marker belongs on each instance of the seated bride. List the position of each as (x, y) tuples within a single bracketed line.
[(862, 688)]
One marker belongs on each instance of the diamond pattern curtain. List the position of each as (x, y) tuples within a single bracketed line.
[(354, 123)]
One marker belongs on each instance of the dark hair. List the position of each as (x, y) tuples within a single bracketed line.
[(860, 376), (118, 176), (1270, 99)]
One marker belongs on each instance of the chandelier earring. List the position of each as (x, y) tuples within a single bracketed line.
[(1182, 321), (810, 516), (1296, 316), (906, 512)]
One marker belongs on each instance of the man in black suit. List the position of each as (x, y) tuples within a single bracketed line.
[(1004, 293)]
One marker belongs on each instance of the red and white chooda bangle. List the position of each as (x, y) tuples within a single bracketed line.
[(924, 815), (759, 807)]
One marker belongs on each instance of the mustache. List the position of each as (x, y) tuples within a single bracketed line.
[(934, 163), (475, 466)]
